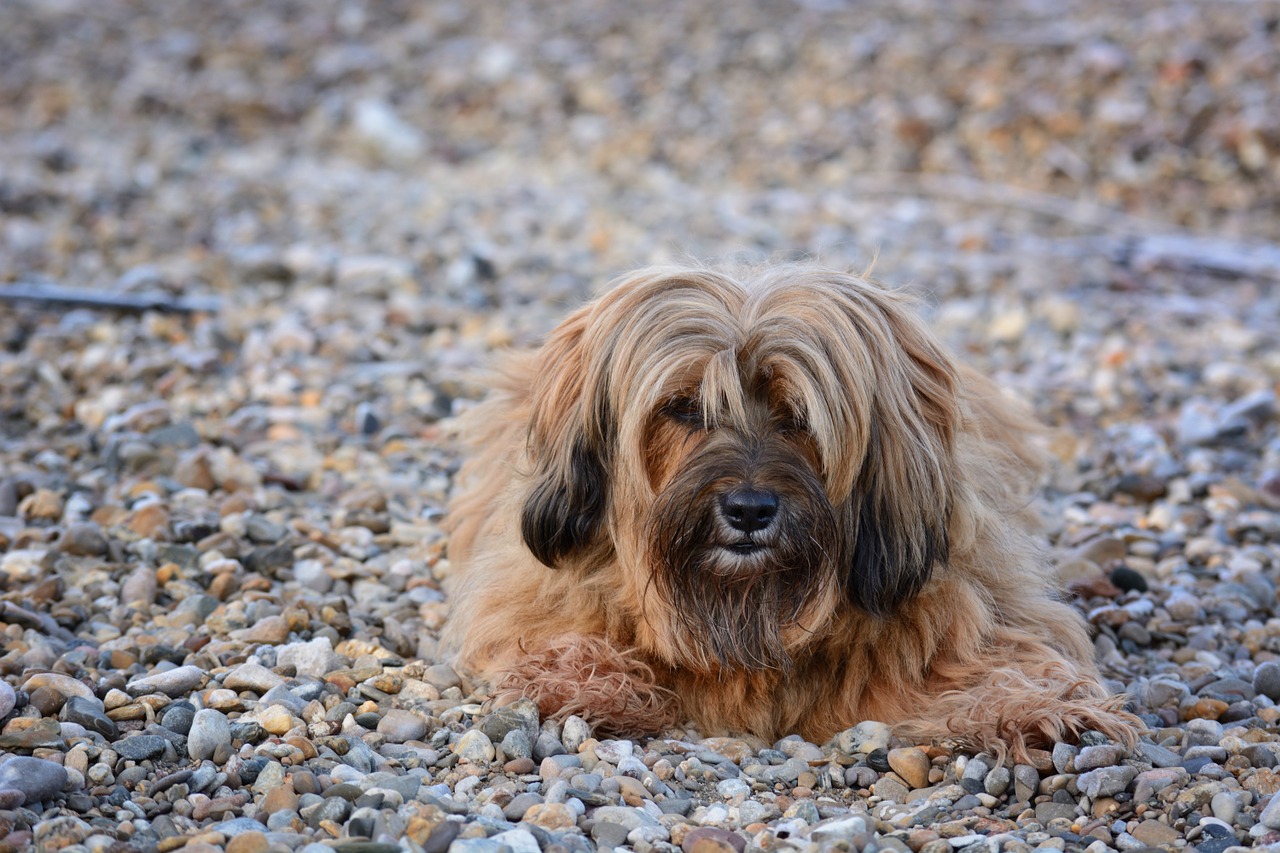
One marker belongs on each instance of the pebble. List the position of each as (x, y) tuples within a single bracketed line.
[(912, 765), (475, 746), (174, 682), (37, 779), (399, 726), (253, 677), (209, 730)]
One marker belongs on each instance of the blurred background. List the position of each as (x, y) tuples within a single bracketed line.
[(409, 184)]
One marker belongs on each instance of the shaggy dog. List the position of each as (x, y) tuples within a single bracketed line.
[(768, 504)]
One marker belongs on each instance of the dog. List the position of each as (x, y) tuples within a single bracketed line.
[(765, 502)]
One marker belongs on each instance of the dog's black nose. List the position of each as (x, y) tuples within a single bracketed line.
[(749, 509)]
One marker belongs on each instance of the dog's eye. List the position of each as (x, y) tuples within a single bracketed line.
[(686, 411)]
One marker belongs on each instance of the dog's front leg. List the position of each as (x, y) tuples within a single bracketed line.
[(614, 689)]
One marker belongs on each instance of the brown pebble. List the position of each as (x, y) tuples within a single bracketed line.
[(280, 798), (1205, 709), (248, 842), (912, 765), (149, 522), (519, 766), (41, 505), (47, 701), (305, 782)]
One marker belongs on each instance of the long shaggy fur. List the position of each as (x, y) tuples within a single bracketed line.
[(603, 564)]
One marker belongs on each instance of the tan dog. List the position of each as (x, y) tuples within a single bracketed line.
[(768, 505)]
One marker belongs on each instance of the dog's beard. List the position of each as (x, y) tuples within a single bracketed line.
[(738, 596)]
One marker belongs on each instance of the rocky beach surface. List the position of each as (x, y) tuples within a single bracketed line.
[(221, 491)]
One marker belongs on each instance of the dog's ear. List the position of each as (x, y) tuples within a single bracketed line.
[(899, 512), (569, 437), (897, 522)]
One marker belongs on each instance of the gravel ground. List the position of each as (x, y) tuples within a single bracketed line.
[(219, 544)]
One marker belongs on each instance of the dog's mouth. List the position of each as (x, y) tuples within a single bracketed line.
[(745, 547)]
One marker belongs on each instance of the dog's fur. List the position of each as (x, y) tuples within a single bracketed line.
[(596, 570)]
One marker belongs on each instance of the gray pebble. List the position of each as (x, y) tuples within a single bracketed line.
[(1203, 733), (1064, 755), (140, 747), (1026, 779), (315, 657), (865, 737), (38, 780), (516, 744), (1105, 781), (997, 781), (1093, 757), (1266, 680), (8, 699), (175, 682), (400, 726), (574, 732), (1047, 811), (209, 730), (89, 713), (475, 747), (547, 745)]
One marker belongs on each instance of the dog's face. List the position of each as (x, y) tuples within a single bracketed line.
[(756, 453)]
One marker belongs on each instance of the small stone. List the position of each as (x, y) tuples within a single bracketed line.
[(209, 730), (442, 677), (316, 657), (175, 682), (84, 539), (88, 714), (282, 798), (1270, 816), (251, 841), (41, 505), (38, 780), (575, 732), (64, 685), (1266, 680), (1093, 757), (550, 816), (277, 720), (891, 790), (149, 522), (400, 726), (475, 746), (1047, 811), (863, 738), (178, 718), (271, 631), (253, 677), (912, 765), (1128, 580), (1105, 781), (516, 744), (1153, 833), (140, 747), (997, 781), (8, 699), (1026, 779), (139, 587), (711, 839), (1225, 806)]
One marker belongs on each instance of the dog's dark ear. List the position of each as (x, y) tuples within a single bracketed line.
[(565, 508), (569, 438), (900, 508), (897, 530)]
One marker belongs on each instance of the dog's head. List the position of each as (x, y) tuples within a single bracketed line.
[(758, 450)]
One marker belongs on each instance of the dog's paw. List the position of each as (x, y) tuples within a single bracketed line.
[(611, 688)]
